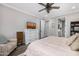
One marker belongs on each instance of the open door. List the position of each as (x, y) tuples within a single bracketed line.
[(44, 25), (61, 28)]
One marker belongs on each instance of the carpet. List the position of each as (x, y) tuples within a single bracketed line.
[(18, 50)]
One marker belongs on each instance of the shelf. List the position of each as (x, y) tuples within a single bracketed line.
[(75, 22), (73, 26), (74, 31)]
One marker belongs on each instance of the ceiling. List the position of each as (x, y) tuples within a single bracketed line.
[(33, 8)]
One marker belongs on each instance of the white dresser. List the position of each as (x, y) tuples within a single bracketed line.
[(31, 35)]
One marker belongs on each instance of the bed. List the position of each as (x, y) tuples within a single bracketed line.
[(50, 46)]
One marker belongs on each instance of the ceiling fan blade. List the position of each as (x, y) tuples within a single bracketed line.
[(42, 4), (55, 7), (51, 4), (47, 10), (42, 9), (47, 3)]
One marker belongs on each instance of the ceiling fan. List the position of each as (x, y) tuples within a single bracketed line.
[(48, 7)]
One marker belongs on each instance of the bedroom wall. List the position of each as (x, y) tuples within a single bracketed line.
[(53, 27), (68, 19), (13, 21), (0, 20)]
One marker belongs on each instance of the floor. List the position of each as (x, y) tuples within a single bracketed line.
[(18, 50)]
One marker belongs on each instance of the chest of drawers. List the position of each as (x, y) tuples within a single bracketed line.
[(31, 35)]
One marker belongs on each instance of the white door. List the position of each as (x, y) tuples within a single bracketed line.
[(42, 25), (46, 29)]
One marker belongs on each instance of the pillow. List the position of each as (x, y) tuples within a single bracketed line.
[(75, 45), (3, 39), (71, 39)]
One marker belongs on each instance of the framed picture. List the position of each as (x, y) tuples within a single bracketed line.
[(31, 25)]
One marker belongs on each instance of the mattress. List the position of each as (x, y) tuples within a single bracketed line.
[(50, 46)]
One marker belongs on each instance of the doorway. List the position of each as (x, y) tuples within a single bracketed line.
[(44, 28), (61, 27)]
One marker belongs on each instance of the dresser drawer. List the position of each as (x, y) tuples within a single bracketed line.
[(31, 35)]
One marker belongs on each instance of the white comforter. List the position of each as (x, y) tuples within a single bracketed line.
[(50, 46)]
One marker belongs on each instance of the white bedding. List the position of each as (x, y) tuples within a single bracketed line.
[(50, 46)]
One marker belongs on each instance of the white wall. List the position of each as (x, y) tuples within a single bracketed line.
[(68, 19), (53, 25), (0, 20), (67, 27), (12, 21)]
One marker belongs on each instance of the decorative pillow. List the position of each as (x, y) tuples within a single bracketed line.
[(71, 39), (3, 39), (75, 45)]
